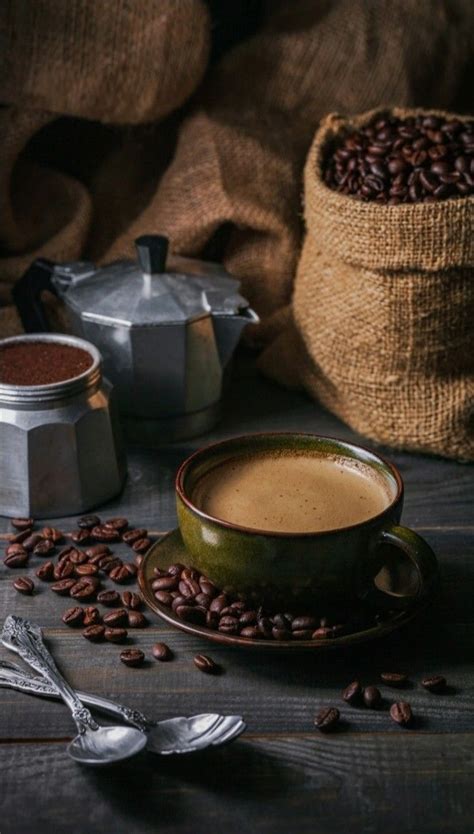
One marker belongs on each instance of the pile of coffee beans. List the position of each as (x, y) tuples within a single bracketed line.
[(76, 565), (394, 161), (327, 719), (72, 571), (197, 600)]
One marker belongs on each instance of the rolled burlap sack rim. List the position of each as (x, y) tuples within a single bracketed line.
[(424, 236)]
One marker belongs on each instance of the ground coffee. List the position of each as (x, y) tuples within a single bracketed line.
[(41, 363)]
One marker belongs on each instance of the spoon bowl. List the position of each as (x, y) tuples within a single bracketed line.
[(106, 745), (189, 735)]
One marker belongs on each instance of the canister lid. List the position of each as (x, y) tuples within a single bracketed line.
[(134, 294)]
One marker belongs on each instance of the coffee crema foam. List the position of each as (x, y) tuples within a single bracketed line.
[(292, 492)]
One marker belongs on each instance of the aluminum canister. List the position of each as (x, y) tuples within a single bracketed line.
[(61, 451)]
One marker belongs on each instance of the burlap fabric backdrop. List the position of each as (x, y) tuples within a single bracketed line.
[(384, 301), (221, 170)]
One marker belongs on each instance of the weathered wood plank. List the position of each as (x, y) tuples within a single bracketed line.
[(306, 784)]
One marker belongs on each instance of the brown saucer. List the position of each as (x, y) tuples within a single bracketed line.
[(170, 549)]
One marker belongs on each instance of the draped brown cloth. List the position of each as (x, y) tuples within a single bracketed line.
[(114, 124)]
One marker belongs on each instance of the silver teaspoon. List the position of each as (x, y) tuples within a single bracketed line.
[(173, 736), (94, 744)]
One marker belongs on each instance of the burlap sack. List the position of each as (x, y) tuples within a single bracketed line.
[(115, 61), (384, 303)]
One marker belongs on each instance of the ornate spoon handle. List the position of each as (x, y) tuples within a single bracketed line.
[(26, 639), (37, 686)]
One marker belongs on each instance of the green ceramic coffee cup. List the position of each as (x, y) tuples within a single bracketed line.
[(375, 559)]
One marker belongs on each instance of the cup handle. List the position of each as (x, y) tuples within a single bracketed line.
[(422, 558)]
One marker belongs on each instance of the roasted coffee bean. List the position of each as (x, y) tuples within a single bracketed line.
[(219, 603), (372, 697), (207, 588), (98, 550), (63, 587), (24, 585), (179, 600), (20, 537), (396, 679), (165, 583), (132, 600), (189, 587), (108, 598), (16, 560), (434, 683), (327, 719), (249, 618), (250, 631), (80, 536), (87, 522), (176, 569), (94, 633), (77, 557), (302, 634), (352, 693), (31, 541), (131, 536), (141, 545), (44, 548), (116, 618), (73, 616), (191, 614), (53, 534), (15, 550), (105, 534), (401, 713), (281, 633), (137, 620), (83, 589), (22, 523), (86, 569), (66, 553), (164, 597), (64, 569), (190, 573), (132, 657), (116, 635), (205, 664), (123, 573), (202, 599), (119, 523), (109, 563), (228, 625), (161, 651), (91, 615), (45, 572), (303, 623)]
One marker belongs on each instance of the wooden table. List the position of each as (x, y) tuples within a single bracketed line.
[(282, 775)]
